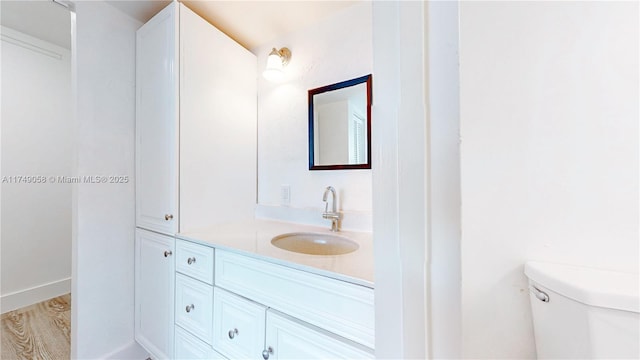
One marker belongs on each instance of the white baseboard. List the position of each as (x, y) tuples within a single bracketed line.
[(34, 295), (132, 351)]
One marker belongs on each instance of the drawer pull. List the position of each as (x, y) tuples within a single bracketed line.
[(168, 217), (191, 260), (268, 351), (233, 333), (168, 253), (189, 308)]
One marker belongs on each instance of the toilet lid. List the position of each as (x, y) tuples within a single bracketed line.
[(596, 287)]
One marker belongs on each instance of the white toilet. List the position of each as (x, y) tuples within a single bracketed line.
[(584, 313)]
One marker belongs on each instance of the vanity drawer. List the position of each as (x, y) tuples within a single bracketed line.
[(191, 348), (193, 310), (288, 338), (195, 260), (340, 307), (239, 328)]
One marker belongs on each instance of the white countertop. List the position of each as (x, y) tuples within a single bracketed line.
[(253, 238)]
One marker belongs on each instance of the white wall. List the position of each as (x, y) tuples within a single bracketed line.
[(549, 122), (337, 48), (103, 308), (444, 170), (37, 131), (400, 181)]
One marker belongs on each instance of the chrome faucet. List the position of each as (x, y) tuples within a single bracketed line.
[(334, 215)]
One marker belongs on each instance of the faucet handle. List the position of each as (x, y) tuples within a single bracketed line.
[(334, 215)]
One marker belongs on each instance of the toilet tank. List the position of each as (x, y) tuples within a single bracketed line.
[(584, 313)]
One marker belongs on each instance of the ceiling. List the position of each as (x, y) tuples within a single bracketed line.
[(45, 20), (250, 23)]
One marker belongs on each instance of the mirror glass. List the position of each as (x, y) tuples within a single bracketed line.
[(340, 125)]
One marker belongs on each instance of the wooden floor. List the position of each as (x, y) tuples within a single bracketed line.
[(40, 331)]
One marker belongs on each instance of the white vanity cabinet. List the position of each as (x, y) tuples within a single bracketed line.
[(196, 124), (308, 316), (154, 291), (261, 310)]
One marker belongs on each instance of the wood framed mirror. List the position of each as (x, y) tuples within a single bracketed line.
[(340, 125)]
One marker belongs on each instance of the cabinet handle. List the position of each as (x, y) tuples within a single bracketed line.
[(267, 352), (168, 217), (168, 253), (191, 260), (189, 308), (233, 333)]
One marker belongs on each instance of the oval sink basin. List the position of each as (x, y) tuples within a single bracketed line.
[(314, 244)]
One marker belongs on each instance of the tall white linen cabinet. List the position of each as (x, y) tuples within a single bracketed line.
[(196, 145)]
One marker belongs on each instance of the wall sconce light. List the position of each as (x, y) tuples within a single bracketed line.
[(276, 61)]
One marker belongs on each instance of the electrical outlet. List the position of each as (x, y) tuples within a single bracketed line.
[(285, 195)]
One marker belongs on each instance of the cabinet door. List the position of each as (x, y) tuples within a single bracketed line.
[(157, 122), (288, 338), (238, 330), (154, 287)]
